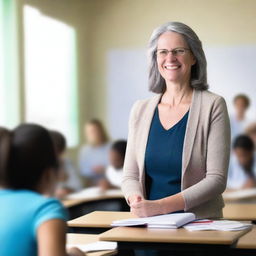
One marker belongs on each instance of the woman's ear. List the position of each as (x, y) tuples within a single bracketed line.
[(193, 60)]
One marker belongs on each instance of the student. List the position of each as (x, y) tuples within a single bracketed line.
[(30, 223), (239, 121), (68, 178), (242, 168), (251, 132), (93, 156), (114, 171)]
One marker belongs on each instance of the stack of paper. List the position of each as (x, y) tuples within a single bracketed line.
[(173, 220), (222, 225), (97, 246)]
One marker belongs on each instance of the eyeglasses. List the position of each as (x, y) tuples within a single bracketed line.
[(175, 52)]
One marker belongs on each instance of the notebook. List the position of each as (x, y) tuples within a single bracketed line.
[(96, 246), (166, 221)]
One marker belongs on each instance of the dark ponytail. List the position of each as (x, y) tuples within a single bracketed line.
[(27, 152), (5, 147)]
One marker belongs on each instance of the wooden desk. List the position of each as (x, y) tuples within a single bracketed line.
[(91, 194), (93, 199), (244, 195), (99, 219), (173, 240), (86, 239), (103, 219), (71, 202), (142, 237), (238, 211), (181, 235), (248, 241)]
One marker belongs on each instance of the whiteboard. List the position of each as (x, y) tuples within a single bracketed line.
[(231, 70)]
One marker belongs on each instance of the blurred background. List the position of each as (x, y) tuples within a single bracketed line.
[(64, 62)]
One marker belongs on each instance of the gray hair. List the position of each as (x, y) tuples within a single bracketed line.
[(198, 79)]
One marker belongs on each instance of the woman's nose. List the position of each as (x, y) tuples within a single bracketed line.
[(171, 57)]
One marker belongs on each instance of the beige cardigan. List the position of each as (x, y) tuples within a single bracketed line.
[(205, 156)]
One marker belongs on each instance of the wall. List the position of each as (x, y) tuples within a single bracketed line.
[(105, 25), (128, 24)]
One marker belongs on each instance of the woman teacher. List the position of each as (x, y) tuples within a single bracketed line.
[(179, 141)]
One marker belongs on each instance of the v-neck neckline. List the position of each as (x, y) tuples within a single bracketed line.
[(169, 129)]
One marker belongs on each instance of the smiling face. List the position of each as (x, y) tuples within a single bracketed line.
[(174, 68), (244, 157), (93, 134)]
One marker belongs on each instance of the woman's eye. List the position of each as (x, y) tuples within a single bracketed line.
[(180, 51)]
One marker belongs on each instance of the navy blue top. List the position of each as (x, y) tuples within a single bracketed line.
[(163, 158)]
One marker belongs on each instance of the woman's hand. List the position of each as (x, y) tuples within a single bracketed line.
[(134, 199), (146, 208)]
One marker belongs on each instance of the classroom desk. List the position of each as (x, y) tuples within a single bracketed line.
[(86, 239), (91, 194), (96, 222), (71, 202), (92, 199), (99, 219), (238, 211), (248, 241), (210, 241), (173, 240), (246, 245), (240, 196), (103, 219)]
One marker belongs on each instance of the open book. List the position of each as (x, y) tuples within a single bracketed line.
[(172, 220)]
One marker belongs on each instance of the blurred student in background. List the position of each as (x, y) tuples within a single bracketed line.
[(242, 167), (93, 156), (30, 223), (251, 132), (68, 177), (239, 121), (114, 171)]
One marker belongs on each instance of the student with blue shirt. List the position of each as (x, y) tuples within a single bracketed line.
[(30, 223)]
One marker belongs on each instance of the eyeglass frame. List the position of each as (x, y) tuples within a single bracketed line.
[(172, 51)]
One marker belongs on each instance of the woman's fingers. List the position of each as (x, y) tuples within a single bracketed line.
[(134, 198)]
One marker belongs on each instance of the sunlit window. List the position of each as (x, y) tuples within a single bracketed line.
[(50, 74), (9, 72)]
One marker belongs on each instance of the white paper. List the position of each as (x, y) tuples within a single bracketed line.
[(222, 225), (97, 246)]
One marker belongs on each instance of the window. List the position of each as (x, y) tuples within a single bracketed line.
[(9, 72), (50, 74)]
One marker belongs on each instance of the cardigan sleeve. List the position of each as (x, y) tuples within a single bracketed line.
[(131, 182), (217, 159)]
